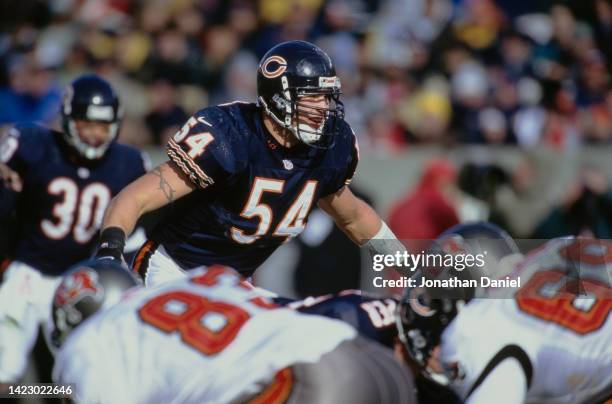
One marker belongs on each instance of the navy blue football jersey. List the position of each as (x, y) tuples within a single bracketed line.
[(61, 206), (373, 317), (253, 194)]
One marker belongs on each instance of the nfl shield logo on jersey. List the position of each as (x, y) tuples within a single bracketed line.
[(288, 164)]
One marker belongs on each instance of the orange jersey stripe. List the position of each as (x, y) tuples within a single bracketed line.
[(144, 250), (279, 391)]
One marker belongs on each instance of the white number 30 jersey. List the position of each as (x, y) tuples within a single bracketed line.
[(209, 338)]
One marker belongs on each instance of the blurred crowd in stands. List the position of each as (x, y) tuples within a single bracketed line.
[(533, 74), (413, 71), (528, 202)]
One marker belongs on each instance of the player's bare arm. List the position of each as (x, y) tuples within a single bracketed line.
[(164, 185), (360, 222), (353, 216), (157, 188)]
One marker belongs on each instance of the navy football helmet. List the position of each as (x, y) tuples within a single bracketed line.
[(90, 98), (424, 313), (290, 71), (86, 288)]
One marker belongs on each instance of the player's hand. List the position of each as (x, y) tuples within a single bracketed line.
[(112, 242), (103, 253), (10, 179)]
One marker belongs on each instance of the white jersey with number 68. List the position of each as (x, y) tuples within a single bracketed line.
[(550, 343)]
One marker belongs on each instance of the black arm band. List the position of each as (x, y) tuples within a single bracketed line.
[(112, 242)]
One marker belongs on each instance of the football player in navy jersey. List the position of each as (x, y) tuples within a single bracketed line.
[(245, 176), (58, 184), (373, 316)]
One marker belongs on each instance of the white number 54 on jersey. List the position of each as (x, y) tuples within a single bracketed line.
[(292, 223)]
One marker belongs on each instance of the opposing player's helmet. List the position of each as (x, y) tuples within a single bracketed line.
[(483, 236), (90, 98), (424, 313), (86, 288), (290, 71)]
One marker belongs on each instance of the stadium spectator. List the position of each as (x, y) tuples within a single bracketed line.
[(427, 210), (31, 95), (166, 116), (546, 68), (585, 211)]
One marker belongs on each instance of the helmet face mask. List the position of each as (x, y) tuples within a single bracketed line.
[(420, 321), (90, 98), (319, 135), (290, 77)]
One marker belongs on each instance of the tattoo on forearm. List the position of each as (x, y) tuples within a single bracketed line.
[(164, 186)]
